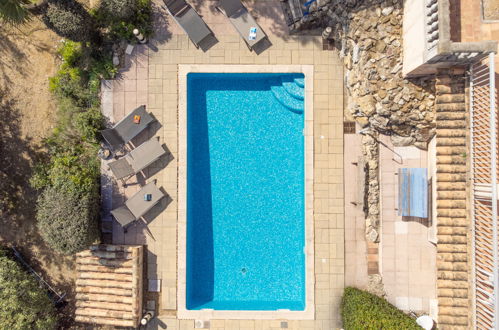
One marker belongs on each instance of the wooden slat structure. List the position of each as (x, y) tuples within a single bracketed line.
[(109, 285), (452, 217)]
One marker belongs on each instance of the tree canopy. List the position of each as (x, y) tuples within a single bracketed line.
[(23, 304)]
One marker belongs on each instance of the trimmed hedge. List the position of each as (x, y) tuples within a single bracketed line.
[(23, 304), (363, 310), (67, 217)]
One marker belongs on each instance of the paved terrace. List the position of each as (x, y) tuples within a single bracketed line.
[(150, 77)]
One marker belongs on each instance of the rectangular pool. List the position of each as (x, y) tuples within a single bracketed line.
[(245, 192)]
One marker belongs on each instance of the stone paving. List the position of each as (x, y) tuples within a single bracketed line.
[(356, 271), (159, 83), (408, 262)]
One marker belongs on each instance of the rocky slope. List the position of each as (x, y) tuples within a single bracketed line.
[(369, 36)]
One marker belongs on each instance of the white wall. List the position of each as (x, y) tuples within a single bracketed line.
[(413, 35)]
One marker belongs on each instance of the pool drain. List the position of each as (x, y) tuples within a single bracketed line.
[(243, 270)]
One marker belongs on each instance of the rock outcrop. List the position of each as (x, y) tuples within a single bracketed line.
[(369, 36)]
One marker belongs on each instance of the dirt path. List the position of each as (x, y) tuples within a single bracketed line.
[(27, 112)]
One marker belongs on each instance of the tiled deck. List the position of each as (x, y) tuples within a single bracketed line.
[(356, 273), (153, 72), (408, 259)]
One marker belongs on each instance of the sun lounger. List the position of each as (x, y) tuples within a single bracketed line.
[(244, 23), (136, 160), (137, 205), (192, 24), (127, 128)]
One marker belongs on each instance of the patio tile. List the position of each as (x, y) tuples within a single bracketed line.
[(161, 76)]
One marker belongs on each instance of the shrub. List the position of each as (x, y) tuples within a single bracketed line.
[(23, 304), (70, 52), (363, 310), (14, 11), (89, 123), (123, 28), (67, 217), (67, 83), (119, 9), (69, 19)]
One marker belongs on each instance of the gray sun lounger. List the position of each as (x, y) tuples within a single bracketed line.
[(126, 129), (192, 24), (242, 21), (136, 206), (137, 160)]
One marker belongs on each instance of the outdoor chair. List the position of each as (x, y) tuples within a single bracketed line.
[(138, 205), (192, 24), (136, 160), (245, 24), (127, 128)]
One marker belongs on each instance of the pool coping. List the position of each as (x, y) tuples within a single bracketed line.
[(182, 311)]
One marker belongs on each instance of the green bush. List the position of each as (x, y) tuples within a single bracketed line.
[(67, 217), (119, 9), (120, 28), (363, 310), (72, 166), (89, 123), (69, 19), (23, 304), (71, 52)]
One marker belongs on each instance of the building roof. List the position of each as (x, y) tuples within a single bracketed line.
[(452, 216), (109, 285)]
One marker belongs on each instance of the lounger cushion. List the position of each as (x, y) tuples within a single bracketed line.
[(127, 129), (176, 7), (145, 154), (121, 168), (138, 159), (242, 20), (112, 138), (231, 7), (138, 206), (193, 25), (123, 215)]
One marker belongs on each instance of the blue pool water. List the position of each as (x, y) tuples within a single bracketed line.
[(245, 192)]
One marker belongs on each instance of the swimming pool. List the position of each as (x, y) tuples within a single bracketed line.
[(245, 199)]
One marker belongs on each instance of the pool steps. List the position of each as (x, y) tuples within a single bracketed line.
[(292, 88), (290, 94), (300, 82)]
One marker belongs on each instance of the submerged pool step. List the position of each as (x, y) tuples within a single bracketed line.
[(286, 99), (294, 89), (300, 82)]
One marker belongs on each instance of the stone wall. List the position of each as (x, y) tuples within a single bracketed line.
[(369, 36)]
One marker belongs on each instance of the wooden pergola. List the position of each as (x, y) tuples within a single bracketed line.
[(109, 285)]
